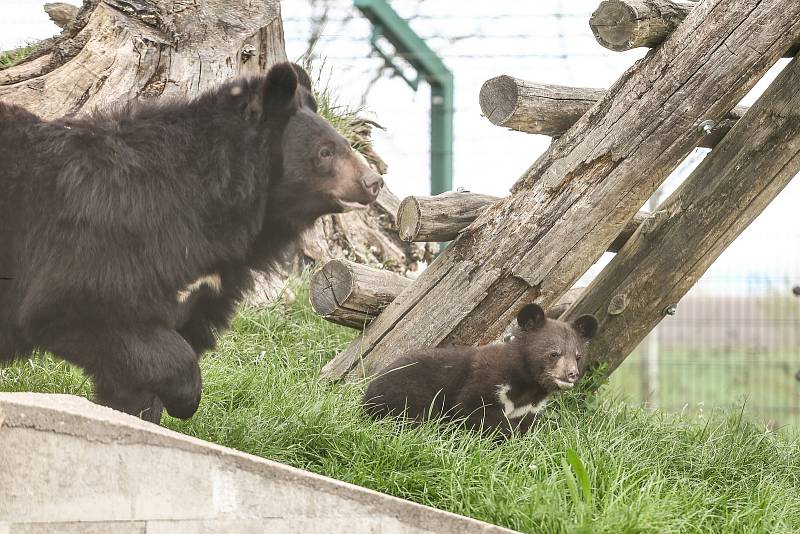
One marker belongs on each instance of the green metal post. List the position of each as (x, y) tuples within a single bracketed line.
[(442, 137), (408, 45)]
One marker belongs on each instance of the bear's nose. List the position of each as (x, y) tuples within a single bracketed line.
[(572, 376), (373, 183)]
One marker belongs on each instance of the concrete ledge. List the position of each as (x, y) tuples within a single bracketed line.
[(68, 465)]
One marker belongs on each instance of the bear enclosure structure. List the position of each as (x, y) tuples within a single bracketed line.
[(611, 150)]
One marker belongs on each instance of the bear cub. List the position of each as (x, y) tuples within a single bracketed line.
[(498, 387)]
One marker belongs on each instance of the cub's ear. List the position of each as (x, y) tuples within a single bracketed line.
[(302, 76), (280, 87), (586, 326), (531, 317)]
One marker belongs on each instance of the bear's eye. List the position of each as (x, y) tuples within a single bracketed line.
[(325, 152), (578, 357), (555, 354)]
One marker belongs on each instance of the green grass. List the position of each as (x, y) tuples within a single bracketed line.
[(696, 378), (345, 119), (12, 57), (599, 466)]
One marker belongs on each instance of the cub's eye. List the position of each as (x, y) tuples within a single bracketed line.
[(578, 357), (325, 153), (555, 354)]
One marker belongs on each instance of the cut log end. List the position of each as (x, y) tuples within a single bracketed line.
[(615, 26), (439, 218), (498, 99), (330, 286), (408, 219), (621, 25), (352, 294)]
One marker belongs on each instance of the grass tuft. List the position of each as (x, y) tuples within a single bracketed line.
[(592, 465), (10, 58)]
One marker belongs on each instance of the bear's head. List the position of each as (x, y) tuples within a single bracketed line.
[(320, 172), (553, 349)]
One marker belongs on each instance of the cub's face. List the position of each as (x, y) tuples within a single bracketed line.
[(554, 349)]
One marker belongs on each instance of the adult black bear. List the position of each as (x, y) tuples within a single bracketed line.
[(494, 387), (127, 237)]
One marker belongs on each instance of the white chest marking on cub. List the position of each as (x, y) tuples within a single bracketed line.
[(513, 412), (212, 281)]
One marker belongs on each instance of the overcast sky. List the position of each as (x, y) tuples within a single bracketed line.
[(544, 41)]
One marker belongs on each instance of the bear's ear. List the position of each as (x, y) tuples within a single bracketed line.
[(531, 317), (302, 76), (586, 326), (280, 87)]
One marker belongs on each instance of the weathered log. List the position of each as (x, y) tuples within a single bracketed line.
[(726, 192), (442, 217), (573, 202), (118, 51), (548, 109), (352, 294), (439, 218), (621, 25), (628, 230), (531, 107)]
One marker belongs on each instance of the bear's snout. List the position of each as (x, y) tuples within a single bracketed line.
[(373, 183)]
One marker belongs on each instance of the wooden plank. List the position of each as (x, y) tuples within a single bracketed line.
[(547, 109), (621, 25), (576, 198), (729, 189)]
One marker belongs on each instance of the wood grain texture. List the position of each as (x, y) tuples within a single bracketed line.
[(621, 25), (726, 192), (352, 294), (548, 109), (63, 15), (531, 107), (439, 218), (576, 198), (122, 51), (442, 217)]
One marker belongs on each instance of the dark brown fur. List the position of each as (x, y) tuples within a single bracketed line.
[(105, 220), (455, 383)]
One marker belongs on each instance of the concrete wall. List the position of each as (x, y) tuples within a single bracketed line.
[(67, 465)]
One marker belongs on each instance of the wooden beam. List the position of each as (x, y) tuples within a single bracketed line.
[(547, 109), (564, 303), (576, 198), (442, 217), (352, 294), (439, 218), (627, 231), (532, 107), (729, 189), (621, 25)]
